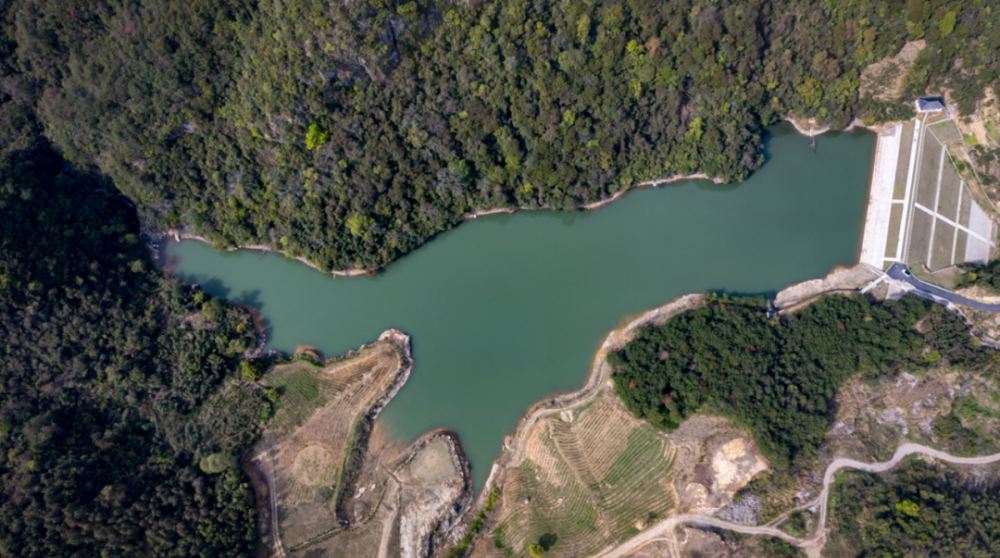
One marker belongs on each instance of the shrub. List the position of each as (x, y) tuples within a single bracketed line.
[(251, 369)]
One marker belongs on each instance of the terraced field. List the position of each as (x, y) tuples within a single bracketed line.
[(588, 479)]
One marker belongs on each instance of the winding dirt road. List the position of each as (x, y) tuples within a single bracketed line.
[(813, 544)]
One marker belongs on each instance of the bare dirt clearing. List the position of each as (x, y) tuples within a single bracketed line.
[(715, 460), (841, 278), (988, 323), (883, 80)]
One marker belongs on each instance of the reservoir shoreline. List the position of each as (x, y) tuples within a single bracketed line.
[(548, 286), (179, 235), (804, 127)]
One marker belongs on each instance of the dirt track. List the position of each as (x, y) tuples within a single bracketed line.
[(813, 544)]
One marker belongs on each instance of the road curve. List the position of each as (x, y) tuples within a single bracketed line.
[(903, 451), (900, 272), (813, 544)]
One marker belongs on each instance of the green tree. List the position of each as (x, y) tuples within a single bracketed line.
[(316, 137), (252, 370), (947, 24), (536, 550), (359, 224), (909, 508)]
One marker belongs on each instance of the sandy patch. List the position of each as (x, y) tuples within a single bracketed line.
[(841, 278), (315, 465)]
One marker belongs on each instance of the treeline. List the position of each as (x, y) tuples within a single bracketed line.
[(121, 417), (917, 509), (778, 377), (351, 132), (980, 275)]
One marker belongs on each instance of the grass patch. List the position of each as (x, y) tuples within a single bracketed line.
[(930, 161), (797, 524), (991, 129), (946, 132), (298, 396), (920, 236), (960, 244), (477, 526), (951, 190), (944, 237), (895, 226), (903, 163)]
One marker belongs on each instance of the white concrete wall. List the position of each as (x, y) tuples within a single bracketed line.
[(880, 198)]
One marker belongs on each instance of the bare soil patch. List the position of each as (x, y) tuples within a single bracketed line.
[(841, 278), (715, 460), (421, 494), (884, 79), (988, 323)]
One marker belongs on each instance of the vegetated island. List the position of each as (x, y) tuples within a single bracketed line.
[(348, 134)]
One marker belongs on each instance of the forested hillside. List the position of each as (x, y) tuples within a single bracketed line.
[(121, 418), (778, 377), (350, 132), (917, 510)]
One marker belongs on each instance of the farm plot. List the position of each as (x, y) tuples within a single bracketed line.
[(317, 431), (585, 483)]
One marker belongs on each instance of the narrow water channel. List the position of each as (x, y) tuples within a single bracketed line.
[(508, 309)]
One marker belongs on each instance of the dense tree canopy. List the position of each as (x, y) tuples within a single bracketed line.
[(113, 390), (350, 132), (917, 510), (778, 376)]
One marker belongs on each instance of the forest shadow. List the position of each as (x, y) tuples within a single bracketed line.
[(216, 287), (251, 299)]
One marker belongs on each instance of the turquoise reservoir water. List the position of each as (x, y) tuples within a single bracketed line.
[(508, 309)]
